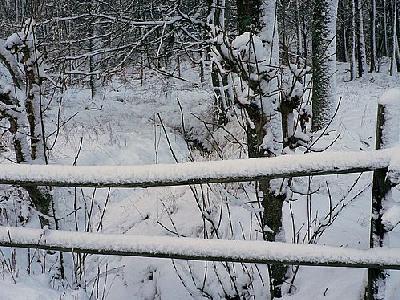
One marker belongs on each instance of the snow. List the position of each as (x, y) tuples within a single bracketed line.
[(119, 129), (390, 97), (197, 172), (391, 205), (34, 288), (203, 249), (394, 169), (391, 217), (391, 128)]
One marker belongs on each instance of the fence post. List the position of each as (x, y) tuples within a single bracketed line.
[(387, 136)]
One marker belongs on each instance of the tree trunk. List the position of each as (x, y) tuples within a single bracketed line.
[(360, 39), (248, 15), (323, 62), (373, 37), (272, 200), (219, 78), (395, 59), (363, 66), (353, 66), (299, 44), (264, 131), (26, 123), (385, 32)]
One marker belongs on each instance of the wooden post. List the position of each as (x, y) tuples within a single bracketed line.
[(387, 136)]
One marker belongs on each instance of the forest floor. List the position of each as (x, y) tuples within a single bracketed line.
[(120, 127)]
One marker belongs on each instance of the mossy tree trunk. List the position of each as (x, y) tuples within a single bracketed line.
[(323, 62)]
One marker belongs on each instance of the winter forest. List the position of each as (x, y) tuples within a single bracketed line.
[(211, 149)]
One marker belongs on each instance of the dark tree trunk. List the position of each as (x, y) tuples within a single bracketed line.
[(373, 37), (248, 15), (323, 62), (381, 196), (360, 46)]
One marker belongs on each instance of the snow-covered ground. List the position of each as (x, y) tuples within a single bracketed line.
[(120, 127)]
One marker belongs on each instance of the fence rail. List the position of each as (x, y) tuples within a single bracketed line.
[(197, 172), (191, 173), (199, 249)]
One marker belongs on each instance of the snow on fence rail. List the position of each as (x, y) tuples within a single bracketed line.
[(199, 249), (197, 172), (200, 172)]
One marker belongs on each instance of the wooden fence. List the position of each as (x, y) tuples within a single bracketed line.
[(375, 258), (194, 173)]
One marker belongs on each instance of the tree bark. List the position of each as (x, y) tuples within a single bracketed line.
[(323, 62), (248, 15), (353, 65), (374, 59), (395, 57), (362, 56)]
